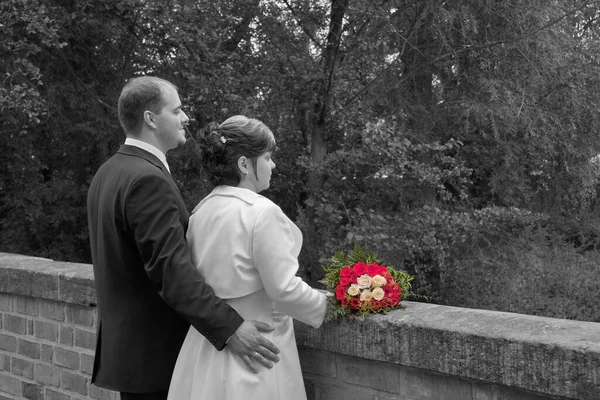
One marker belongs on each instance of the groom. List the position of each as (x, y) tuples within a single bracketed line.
[(148, 291)]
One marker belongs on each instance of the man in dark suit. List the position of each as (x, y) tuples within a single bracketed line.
[(148, 291)]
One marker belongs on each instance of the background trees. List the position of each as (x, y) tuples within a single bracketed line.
[(455, 138)]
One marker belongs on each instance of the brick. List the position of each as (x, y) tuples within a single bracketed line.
[(85, 339), (46, 330), (52, 310), (347, 392), (30, 327), (21, 367), (8, 343), (6, 362), (74, 382), (29, 349), (14, 323), (482, 391), (318, 362), (388, 396), (4, 302), (66, 358), (454, 388), (372, 374), (54, 395), (66, 335), (47, 374), (87, 363), (10, 385), (47, 353), (6, 398), (32, 391), (4, 366), (310, 389), (26, 305), (416, 383), (102, 394), (83, 316)]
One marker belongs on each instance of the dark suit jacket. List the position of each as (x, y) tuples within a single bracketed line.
[(148, 291)]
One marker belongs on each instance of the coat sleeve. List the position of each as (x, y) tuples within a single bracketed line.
[(277, 263), (153, 215)]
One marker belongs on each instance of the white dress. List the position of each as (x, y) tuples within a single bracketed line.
[(247, 250)]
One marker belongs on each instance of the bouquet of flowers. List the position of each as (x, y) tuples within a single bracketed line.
[(362, 284)]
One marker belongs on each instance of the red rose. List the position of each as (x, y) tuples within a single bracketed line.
[(345, 302), (340, 292), (373, 269), (383, 271), (346, 272), (355, 303), (390, 302), (345, 282), (375, 305), (359, 268)]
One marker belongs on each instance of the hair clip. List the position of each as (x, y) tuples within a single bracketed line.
[(223, 140)]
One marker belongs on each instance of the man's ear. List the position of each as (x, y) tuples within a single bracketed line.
[(149, 118)]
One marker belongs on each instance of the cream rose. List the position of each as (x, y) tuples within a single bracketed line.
[(366, 295), (353, 290), (378, 292), (378, 281), (364, 281)]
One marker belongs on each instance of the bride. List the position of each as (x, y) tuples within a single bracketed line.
[(247, 249)]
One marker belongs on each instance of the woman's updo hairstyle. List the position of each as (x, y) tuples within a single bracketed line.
[(222, 145)]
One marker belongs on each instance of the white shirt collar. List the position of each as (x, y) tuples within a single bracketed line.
[(150, 149)]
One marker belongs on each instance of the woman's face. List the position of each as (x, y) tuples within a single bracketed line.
[(260, 179)]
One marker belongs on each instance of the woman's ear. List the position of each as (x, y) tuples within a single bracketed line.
[(242, 164)]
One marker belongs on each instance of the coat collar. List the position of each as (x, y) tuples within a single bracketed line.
[(245, 195), (139, 152)]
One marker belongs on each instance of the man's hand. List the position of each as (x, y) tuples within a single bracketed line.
[(248, 344)]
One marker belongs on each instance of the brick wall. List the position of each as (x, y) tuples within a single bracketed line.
[(46, 349), (425, 352), (47, 330)]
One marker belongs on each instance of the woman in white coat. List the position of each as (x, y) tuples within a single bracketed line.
[(247, 249)]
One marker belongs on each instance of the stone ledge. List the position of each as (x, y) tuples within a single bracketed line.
[(556, 357), (71, 283), (552, 356)]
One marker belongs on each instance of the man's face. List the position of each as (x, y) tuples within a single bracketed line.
[(170, 121)]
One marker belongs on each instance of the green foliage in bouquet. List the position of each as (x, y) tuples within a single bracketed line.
[(362, 284)]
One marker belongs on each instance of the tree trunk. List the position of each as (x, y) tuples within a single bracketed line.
[(317, 125)]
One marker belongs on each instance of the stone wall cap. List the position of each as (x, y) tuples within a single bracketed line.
[(47, 279)]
